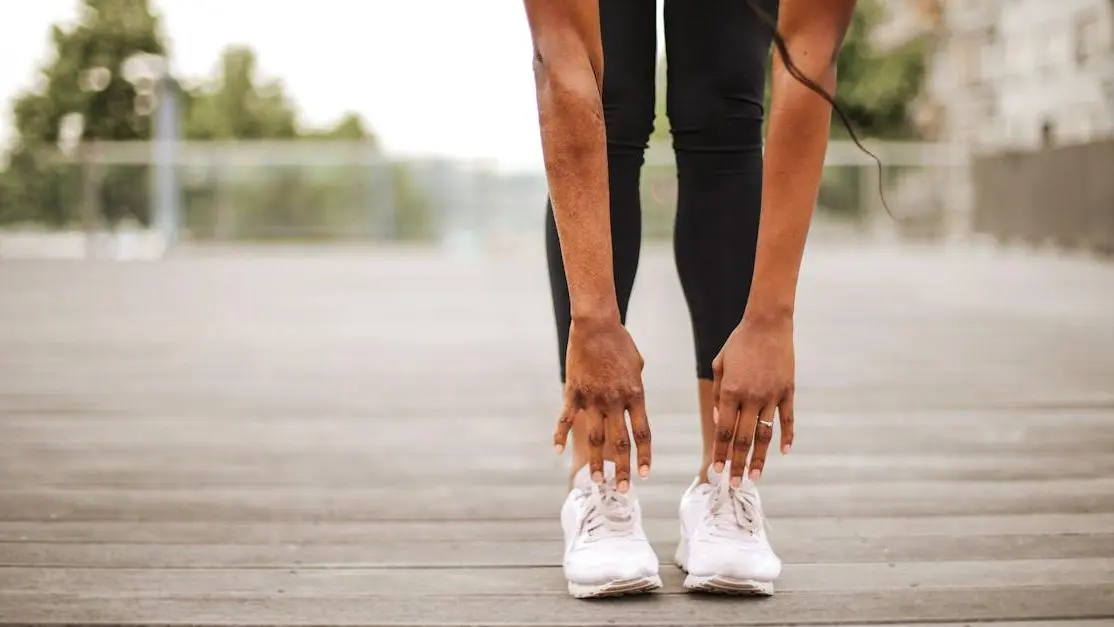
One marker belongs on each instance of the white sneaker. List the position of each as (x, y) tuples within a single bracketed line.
[(724, 547), (606, 551)]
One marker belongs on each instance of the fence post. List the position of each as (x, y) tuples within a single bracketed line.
[(166, 201), (90, 209)]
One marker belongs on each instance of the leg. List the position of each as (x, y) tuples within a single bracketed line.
[(718, 52), (717, 58), (629, 30)]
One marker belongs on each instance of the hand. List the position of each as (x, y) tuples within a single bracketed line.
[(603, 381), (753, 377)]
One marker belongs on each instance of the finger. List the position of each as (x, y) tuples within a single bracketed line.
[(717, 378), (763, 433), (593, 417), (640, 425), (724, 432), (741, 444), (615, 422), (785, 415), (564, 425)]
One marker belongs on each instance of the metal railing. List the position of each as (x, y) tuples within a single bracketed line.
[(338, 190)]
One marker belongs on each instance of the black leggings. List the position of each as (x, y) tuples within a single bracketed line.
[(716, 51)]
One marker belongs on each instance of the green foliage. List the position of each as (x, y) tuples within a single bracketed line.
[(85, 75), (234, 105), (874, 88)]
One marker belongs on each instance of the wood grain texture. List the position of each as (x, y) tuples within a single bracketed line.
[(245, 438), (970, 604)]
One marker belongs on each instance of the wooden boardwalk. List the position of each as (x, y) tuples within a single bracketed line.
[(305, 437)]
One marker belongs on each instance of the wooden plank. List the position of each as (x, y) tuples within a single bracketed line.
[(534, 553), (326, 583), (972, 604), (37, 425), (787, 530), (152, 468), (386, 432), (925, 498)]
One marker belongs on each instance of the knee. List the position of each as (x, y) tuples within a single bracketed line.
[(721, 117), (628, 109)]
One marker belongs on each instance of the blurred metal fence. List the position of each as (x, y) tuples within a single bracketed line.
[(1064, 195), (338, 190)]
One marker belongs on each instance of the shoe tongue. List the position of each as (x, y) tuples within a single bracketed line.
[(583, 478)]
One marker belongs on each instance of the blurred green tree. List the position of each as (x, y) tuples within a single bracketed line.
[(83, 94), (875, 87), (82, 82), (875, 90), (235, 105)]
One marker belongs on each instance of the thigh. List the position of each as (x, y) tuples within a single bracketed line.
[(629, 33), (718, 53)]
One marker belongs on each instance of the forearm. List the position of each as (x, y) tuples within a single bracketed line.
[(573, 146), (568, 70), (796, 144)]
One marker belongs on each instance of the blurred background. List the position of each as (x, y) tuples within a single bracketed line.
[(133, 126), (331, 398)]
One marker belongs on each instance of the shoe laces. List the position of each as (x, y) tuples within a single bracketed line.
[(734, 512), (609, 513)]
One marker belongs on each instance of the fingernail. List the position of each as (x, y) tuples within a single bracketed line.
[(623, 485), (718, 466), (736, 482), (558, 449), (755, 475), (597, 477), (644, 471), (785, 449)]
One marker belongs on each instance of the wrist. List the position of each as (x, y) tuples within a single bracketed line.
[(769, 315), (596, 316), (596, 307)]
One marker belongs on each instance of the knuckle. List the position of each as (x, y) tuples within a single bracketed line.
[(623, 445), (733, 393), (580, 396), (636, 393), (642, 436), (742, 443), (595, 437), (765, 434), (723, 434), (755, 397), (608, 398)]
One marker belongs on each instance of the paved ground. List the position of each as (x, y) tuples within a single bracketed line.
[(346, 437)]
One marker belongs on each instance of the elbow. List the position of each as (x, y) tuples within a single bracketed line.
[(816, 63), (569, 87)]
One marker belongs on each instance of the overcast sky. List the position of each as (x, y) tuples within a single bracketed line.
[(430, 76)]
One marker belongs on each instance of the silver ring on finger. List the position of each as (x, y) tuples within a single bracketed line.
[(768, 423)]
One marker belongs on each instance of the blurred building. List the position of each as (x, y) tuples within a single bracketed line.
[(1012, 74)]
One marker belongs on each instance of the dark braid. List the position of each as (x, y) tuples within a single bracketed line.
[(795, 72)]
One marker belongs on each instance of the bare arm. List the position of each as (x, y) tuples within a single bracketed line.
[(604, 368), (568, 69), (755, 372), (795, 147)]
